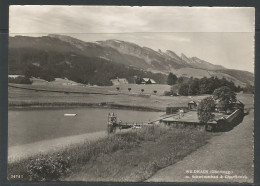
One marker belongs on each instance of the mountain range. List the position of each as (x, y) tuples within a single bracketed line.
[(116, 52)]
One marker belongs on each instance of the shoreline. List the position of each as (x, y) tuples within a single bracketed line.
[(104, 105), (91, 160), (20, 152)]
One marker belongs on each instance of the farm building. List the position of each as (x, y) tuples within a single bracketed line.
[(147, 81)]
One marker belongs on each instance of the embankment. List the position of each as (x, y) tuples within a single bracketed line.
[(134, 155)]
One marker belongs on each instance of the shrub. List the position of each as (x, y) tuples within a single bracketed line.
[(48, 168)]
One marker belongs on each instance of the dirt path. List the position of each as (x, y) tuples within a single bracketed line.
[(232, 151)]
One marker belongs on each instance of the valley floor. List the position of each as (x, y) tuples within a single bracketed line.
[(230, 151)]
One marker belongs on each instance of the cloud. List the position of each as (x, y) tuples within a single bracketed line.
[(111, 19), (220, 35)]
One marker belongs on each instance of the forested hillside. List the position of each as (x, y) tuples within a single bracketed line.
[(59, 56), (82, 69)]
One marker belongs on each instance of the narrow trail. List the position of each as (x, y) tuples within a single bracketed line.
[(232, 151)]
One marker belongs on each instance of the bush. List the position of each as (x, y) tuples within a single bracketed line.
[(48, 168)]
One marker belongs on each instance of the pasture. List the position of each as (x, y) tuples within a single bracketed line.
[(65, 97)]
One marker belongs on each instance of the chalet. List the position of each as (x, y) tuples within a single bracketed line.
[(147, 81)]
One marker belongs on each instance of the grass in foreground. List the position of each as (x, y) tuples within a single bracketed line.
[(129, 156)]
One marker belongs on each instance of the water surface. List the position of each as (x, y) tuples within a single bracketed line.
[(31, 125)]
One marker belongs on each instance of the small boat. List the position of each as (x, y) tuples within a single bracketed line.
[(70, 114)]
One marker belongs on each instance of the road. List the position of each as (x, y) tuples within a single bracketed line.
[(231, 151)]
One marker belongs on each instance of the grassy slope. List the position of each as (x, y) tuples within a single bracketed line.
[(130, 156)]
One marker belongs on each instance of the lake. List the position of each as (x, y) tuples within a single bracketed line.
[(32, 125)]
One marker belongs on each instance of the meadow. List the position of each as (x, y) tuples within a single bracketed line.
[(102, 96), (131, 156)]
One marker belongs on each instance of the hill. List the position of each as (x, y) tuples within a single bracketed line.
[(59, 56)]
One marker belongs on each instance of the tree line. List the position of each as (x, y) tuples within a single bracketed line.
[(194, 86)]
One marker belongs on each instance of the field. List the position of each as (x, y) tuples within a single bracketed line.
[(95, 96), (103, 96)]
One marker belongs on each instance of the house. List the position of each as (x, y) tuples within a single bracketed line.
[(147, 81), (192, 105)]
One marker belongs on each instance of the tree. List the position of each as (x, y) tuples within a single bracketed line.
[(225, 96), (117, 88), (129, 89), (172, 79), (194, 87), (155, 91), (205, 109), (180, 80), (184, 89), (204, 86), (142, 90)]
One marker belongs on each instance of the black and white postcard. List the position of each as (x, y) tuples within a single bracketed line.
[(131, 94)]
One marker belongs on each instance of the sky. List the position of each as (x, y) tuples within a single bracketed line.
[(223, 36)]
